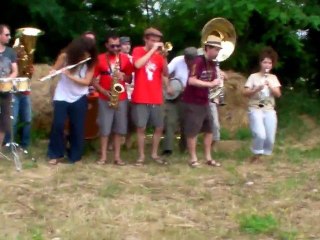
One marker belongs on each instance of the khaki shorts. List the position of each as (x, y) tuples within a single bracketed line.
[(113, 120), (196, 119), (143, 114)]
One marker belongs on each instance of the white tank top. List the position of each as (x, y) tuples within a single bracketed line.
[(68, 90)]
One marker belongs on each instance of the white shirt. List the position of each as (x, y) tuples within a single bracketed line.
[(257, 79), (70, 91), (179, 67)]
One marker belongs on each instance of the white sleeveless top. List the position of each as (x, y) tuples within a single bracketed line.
[(68, 90)]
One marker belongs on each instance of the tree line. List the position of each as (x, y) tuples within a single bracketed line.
[(291, 27)]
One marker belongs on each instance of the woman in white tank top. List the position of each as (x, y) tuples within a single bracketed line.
[(70, 100)]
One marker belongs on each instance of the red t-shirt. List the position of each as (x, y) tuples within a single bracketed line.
[(102, 69), (148, 78)]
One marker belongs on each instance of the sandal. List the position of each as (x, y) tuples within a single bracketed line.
[(213, 163), (194, 164), (101, 162), (119, 163), (160, 160), (53, 161), (139, 162)]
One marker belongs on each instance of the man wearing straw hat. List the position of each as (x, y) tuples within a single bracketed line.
[(197, 114)]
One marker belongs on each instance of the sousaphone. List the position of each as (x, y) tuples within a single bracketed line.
[(223, 29)]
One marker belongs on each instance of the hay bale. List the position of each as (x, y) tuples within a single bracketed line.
[(41, 98), (234, 114)]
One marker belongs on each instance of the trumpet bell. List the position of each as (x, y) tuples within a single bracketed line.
[(222, 28), (168, 46)]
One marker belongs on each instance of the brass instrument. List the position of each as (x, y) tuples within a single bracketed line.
[(24, 45), (223, 29), (167, 47), (116, 87)]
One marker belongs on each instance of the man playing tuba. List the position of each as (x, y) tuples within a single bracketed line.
[(196, 114)]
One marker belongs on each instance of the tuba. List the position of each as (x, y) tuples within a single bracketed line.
[(223, 29), (116, 87), (24, 45)]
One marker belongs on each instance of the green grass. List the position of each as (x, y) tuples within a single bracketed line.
[(258, 224), (89, 201)]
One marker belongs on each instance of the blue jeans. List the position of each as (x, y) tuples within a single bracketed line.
[(263, 125), (21, 119), (76, 113)]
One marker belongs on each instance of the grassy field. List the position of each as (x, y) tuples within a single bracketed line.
[(278, 198)]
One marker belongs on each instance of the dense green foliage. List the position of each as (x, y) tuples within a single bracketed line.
[(258, 23)]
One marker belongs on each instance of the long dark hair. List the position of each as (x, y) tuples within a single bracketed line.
[(76, 50)]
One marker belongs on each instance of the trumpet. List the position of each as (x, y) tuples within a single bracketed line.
[(167, 47)]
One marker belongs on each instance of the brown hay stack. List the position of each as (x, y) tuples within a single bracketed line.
[(234, 114), (41, 99)]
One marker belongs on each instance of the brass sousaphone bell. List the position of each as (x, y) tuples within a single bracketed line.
[(25, 46), (223, 29)]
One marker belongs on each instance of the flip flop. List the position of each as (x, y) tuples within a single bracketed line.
[(53, 161), (139, 162), (101, 162), (213, 163), (119, 163), (194, 164), (160, 160)]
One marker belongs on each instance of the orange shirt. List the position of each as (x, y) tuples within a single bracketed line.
[(148, 78), (102, 69)]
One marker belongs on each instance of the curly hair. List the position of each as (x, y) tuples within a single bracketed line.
[(76, 50), (269, 52)]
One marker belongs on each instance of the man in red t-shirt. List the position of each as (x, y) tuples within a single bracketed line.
[(112, 119), (150, 71)]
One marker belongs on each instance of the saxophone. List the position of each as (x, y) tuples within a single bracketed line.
[(116, 87)]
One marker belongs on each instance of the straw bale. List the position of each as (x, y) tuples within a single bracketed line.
[(234, 114)]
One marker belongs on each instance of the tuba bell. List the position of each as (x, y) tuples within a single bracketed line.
[(223, 29), (24, 45)]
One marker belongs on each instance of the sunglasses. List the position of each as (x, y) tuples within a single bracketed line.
[(115, 45)]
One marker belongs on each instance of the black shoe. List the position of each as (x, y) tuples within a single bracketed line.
[(166, 152)]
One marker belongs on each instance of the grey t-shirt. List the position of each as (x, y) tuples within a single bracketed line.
[(7, 57)]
